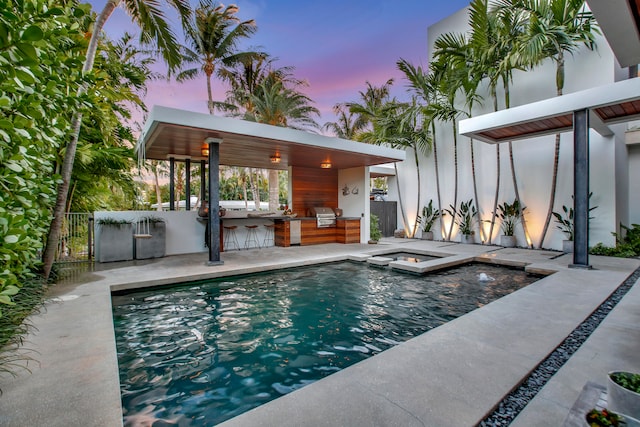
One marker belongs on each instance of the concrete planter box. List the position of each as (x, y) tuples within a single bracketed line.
[(116, 242), (468, 239), (154, 246), (621, 400), (427, 235), (508, 241)]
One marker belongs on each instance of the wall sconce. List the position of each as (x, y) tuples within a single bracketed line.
[(204, 150), (325, 165), (275, 159)]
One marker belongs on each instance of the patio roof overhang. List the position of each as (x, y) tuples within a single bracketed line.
[(180, 134), (614, 103), (620, 23)]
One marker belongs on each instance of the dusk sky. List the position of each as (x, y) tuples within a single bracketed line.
[(335, 45)]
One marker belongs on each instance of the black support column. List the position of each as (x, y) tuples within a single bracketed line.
[(172, 184), (203, 183), (581, 189), (187, 189), (214, 201)]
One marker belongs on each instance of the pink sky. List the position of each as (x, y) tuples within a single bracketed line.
[(336, 46)]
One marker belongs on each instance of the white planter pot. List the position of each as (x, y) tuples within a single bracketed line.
[(622, 400), (567, 246), (507, 241), (468, 239), (427, 235)]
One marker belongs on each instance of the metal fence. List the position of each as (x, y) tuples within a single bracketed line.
[(76, 238)]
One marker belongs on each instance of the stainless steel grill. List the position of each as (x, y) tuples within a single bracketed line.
[(325, 217)]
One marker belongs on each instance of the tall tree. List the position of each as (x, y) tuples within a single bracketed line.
[(348, 124), (552, 29), (154, 29), (214, 35)]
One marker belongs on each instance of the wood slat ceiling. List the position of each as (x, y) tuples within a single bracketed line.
[(522, 130)]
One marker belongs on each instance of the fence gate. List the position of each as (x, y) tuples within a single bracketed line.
[(76, 238), (387, 213)]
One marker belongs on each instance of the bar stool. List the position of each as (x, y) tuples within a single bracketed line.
[(252, 236), (230, 238), (268, 235)]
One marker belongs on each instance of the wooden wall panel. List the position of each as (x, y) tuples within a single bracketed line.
[(312, 235), (313, 187), (348, 231)]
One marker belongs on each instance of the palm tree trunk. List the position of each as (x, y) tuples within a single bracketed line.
[(156, 183), (435, 161), (495, 199), (556, 156), (455, 167), (70, 152), (210, 94), (475, 191), (404, 221), (415, 225), (274, 188)]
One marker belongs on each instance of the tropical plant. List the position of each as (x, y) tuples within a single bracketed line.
[(627, 243), (374, 228), (551, 30), (40, 62), (464, 216), (627, 380), (154, 29), (348, 124), (603, 418), (429, 216), (565, 219), (510, 214), (214, 34)]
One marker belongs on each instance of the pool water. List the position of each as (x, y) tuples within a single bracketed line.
[(198, 354)]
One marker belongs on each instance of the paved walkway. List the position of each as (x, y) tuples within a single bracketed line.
[(451, 376)]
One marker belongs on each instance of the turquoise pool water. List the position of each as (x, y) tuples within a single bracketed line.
[(201, 353)]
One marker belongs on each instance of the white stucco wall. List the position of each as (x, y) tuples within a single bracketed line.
[(533, 158), (355, 205), (184, 233)]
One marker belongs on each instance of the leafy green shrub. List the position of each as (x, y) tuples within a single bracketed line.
[(429, 216), (627, 245), (374, 233), (627, 380), (604, 418)]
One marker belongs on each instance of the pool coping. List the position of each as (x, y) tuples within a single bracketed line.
[(452, 375)]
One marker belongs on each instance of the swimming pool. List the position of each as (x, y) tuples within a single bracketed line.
[(201, 353)]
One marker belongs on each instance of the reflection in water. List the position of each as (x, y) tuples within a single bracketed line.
[(200, 354)]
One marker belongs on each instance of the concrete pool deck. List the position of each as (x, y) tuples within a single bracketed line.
[(452, 375)]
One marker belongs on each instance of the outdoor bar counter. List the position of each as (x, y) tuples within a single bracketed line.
[(287, 231)]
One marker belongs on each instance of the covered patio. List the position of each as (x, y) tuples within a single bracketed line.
[(318, 166)]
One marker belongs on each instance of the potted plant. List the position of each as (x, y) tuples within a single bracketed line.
[(603, 418), (465, 218), (565, 223), (509, 214), (374, 231), (427, 219), (150, 238), (116, 240), (623, 393)]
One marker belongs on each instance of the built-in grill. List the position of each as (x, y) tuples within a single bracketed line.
[(325, 216)]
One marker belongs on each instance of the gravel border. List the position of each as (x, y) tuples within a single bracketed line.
[(509, 408)]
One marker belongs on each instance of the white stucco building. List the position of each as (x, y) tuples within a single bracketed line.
[(614, 166)]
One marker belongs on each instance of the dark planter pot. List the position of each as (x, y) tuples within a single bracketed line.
[(116, 242), (154, 246), (567, 246)]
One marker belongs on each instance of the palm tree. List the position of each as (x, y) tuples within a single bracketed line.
[(348, 125), (214, 35), (552, 29), (154, 28)]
